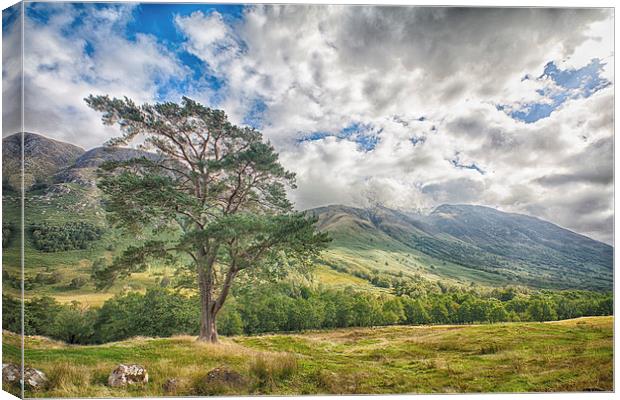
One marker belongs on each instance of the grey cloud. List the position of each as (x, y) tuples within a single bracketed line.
[(593, 166), (444, 41), (460, 190), (587, 210)]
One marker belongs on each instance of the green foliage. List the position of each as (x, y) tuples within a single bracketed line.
[(69, 236), (159, 312), (11, 314), (8, 231), (541, 310), (73, 324), (229, 320), (39, 316)]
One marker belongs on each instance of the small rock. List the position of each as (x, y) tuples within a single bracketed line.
[(11, 373), (125, 375), (224, 375), (33, 378), (171, 385)]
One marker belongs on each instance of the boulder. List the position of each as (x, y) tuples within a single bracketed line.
[(171, 385), (34, 379), (11, 373), (225, 376), (124, 375)]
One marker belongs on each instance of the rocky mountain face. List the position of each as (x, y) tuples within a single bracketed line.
[(48, 161), (518, 248), (43, 157)]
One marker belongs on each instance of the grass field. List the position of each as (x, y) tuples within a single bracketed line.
[(572, 355)]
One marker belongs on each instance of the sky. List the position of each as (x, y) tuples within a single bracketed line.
[(510, 108)]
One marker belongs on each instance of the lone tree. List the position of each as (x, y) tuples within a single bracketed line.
[(217, 184)]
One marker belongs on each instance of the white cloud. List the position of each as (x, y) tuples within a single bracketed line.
[(321, 68), (60, 71), (432, 75)]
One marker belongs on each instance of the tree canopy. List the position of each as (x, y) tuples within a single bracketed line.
[(221, 186)]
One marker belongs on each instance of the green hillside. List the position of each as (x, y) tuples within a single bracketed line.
[(466, 244), (359, 246), (572, 355)]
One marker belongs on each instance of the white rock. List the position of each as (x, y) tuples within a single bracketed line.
[(125, 375)]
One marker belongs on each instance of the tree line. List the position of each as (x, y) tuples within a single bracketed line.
[(69, 236), (289, 307)]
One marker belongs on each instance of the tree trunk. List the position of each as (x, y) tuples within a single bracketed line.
[(208, 311), (208, 326)]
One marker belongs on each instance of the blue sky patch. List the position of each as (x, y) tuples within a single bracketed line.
[(157, 20), (564, 85), (254, 117), (10, 16), (365, 135), (418, 140)]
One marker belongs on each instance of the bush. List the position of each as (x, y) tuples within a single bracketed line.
[(74, 324), (77, 282), (8, 231), (48, 278)]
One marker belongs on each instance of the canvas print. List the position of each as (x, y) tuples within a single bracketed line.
[(254, 199)]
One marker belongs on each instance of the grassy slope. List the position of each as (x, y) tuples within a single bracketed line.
[(57, 209), (573, 355), (361, 248)]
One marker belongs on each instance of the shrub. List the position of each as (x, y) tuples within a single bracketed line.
[(8, 231), (48, 278), (268, 371), (74, 324), (77, 282)]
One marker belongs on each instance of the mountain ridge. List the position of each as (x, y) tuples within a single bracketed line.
[(43, 157), (518, 248)]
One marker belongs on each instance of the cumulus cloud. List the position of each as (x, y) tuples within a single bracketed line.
[(415, 104), (431, 81), (76, 52)]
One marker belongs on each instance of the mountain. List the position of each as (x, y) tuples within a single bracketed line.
[(43, 157), (460, 243), (83, 170), (473, 242), (520, 237)]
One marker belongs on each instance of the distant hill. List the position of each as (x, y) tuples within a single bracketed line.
[(82, 171), (514, 248), (43, 157)]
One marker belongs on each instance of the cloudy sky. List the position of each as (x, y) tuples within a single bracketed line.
[(510, 108)]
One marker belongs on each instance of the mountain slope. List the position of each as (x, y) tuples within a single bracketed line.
[(83, 171), (509, 248), (43, 157), (520, 237)]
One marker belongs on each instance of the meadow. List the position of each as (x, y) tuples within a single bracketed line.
[(570, 355)]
